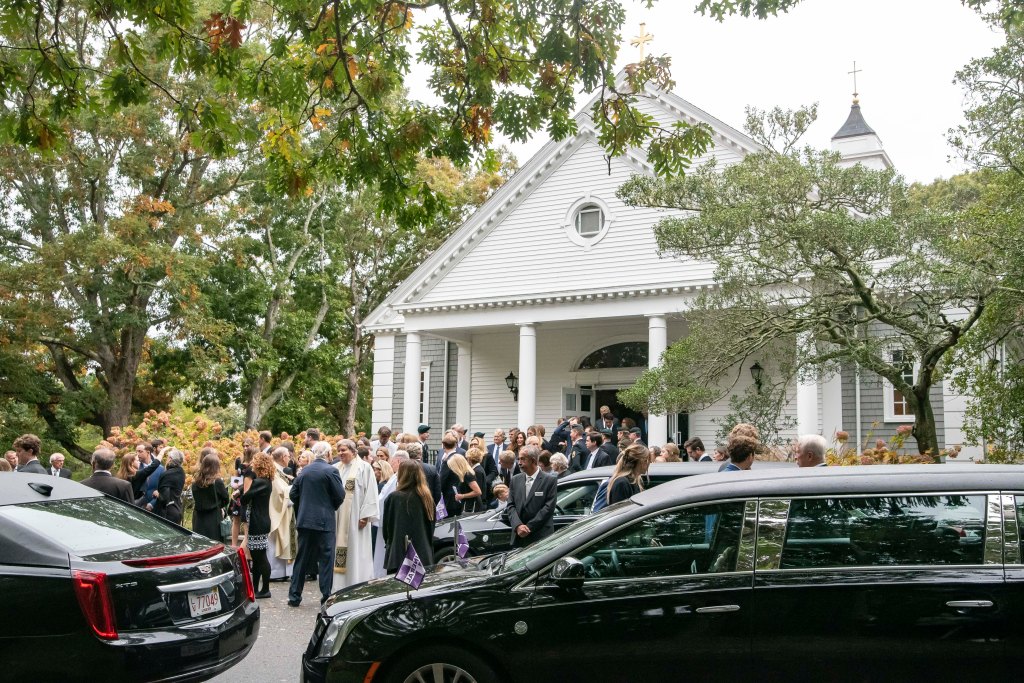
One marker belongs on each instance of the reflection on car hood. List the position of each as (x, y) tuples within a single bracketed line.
[(465, 574)]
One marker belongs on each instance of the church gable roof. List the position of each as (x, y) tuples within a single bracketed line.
[(519, 242)]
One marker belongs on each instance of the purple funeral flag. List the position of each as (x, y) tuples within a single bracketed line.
[(441, 512), (461, 544), (412, 570)]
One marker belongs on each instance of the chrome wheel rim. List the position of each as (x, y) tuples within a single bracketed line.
[(447, 557), (439, 673)]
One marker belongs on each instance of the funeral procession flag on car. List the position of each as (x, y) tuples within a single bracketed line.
[(461, 544), (412, 570), (441, 512)]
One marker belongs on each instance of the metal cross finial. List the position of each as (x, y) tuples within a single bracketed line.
[(641, 40), (855, 72)]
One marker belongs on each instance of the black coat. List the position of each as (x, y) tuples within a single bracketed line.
[(536, 510), (168, 504), (104, 482), (317, 493), (32, 467), (478, 504), (490, 474), (448, 482), (140, 477), (257, 498), (622, 489), (433, 481), (578, 456), (405, 515), (210, 503)]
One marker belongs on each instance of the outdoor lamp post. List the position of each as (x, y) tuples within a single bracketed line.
[(757, 372)]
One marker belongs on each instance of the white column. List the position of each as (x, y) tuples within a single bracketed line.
[(411, 395), (527, 375), (657, 342), (464, 384), (832, 406), (806, 401)]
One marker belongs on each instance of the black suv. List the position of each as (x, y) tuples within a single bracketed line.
[(870, 573), (487, 532)]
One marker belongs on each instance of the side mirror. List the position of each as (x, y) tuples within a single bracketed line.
[(568, 572)]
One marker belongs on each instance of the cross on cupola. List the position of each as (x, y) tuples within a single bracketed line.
[(854, 73)]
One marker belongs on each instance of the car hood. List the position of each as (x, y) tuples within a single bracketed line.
[(442, 578)]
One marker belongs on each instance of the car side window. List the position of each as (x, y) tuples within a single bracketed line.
[(884, 531), (698, 540), (577, 500)]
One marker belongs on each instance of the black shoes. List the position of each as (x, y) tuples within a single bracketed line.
[(294, 603), (264, 594)]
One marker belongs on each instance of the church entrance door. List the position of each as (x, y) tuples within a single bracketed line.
[(606, 397)]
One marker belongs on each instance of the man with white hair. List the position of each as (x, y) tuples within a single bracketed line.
[(460, 438), (810, 451), (353, 555), (103, 481), (57, 468), (316, 493)]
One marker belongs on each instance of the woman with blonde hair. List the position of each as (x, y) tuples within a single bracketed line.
[(670, 453), (467, 492), (627, 479), (382, 472), (408, 515), (475, 457), (210, 495)]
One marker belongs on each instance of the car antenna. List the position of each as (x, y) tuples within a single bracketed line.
[(42, 489)]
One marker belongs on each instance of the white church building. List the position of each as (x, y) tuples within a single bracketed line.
[(557, 287)]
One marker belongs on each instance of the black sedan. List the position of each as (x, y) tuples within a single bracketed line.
[(487, 532), (92, 588), (817, 574)]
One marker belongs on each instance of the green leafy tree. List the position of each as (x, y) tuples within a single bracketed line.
[(822, 262)]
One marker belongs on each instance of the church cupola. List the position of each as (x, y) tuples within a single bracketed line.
[(857, 142)]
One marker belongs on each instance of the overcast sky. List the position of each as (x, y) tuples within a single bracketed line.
[(908, 51)]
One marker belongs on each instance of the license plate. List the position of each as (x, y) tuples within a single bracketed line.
[(204, 602)]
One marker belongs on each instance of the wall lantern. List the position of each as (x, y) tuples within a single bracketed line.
[(512, 382), (757, 373)]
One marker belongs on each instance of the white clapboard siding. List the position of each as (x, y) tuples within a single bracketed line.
[(529, 253)]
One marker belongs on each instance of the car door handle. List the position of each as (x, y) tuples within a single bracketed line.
[(718, 609), (969, 603)]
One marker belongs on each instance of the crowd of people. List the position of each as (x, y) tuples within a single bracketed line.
[(346, 512)]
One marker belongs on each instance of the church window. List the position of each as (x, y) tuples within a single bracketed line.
[(897, 407), (589, 220), (621, 355)]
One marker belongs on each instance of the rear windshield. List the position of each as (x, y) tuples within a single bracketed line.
[(89, 526)]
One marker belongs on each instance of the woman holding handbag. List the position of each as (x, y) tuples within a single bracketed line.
[(210, 496)]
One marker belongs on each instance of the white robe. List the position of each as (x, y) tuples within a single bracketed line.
[(378, 552), (363, 492)]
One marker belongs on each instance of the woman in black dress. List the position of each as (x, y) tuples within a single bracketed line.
[(475, 457), (256, 501), (210, 495), (408, 513), (168, 489), (468, 494), (627, 479)]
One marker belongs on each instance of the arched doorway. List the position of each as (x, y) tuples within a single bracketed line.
[(627, 354)]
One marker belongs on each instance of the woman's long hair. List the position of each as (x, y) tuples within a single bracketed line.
[(263, 466), (411, 478), (124, 471), (460, 466), (633, 462), (209, 470)]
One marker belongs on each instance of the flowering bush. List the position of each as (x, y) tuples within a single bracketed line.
[(190, 433), (883, 452)]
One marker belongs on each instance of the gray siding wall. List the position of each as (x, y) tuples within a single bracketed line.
[(872, 411), (432, 354)]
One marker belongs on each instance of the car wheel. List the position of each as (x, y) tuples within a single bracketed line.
[(445, 556), (442, 665)]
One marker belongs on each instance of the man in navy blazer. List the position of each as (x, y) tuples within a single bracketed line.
[(531, 502), (316, 493)]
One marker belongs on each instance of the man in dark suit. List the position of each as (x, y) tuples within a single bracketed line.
[(495, 450), (57, 468), (596, 456), (608, 420), (531, 502), (423, 431), (104, 482), (447, 478), (609, 445), (560, 437), (507, 469), (577, 450), (316, 493), (26, 449), (415, 452)]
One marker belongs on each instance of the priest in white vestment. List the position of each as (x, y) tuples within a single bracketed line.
[(353, 555), (282, 540)]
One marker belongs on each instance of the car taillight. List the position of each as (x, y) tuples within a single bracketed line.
[(93, 595), (250, 591), (168, 560)]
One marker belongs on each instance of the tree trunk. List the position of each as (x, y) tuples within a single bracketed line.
[(352, 395), (120, 376), (925, 431), (254, 405)]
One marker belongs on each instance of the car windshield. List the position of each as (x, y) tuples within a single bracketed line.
[(89, 526), (518, 559)]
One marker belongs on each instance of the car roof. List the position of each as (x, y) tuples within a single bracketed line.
[(16, 488), (816, 481), (666, 470)]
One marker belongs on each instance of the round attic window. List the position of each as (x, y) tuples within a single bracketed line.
[(587, 221)]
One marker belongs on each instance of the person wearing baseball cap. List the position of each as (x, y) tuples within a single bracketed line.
[(424, 432), (635, 434)]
